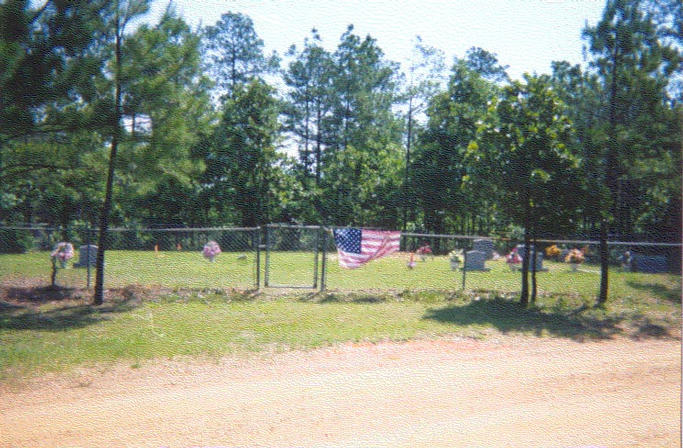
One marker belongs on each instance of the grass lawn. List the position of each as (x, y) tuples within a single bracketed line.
[(237, 270), (381, 301), (124, 268)]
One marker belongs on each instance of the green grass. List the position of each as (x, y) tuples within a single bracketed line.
[(124, 268), (381, 301), (237, 270), (57, 336)]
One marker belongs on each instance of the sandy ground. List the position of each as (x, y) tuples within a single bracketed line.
[(503, 392)]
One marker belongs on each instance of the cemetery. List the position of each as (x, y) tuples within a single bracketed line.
[(271, 224)]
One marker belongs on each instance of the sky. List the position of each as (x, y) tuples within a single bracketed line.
[(526, 35)]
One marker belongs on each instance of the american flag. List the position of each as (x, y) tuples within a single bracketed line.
[(358, 246)]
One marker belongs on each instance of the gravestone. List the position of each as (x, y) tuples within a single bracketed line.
[(474, 261), (563, 254), (538, 265), (521, 250), (651, 264), (484, 245), (84, 258)]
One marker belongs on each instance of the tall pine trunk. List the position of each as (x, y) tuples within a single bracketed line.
[(106, 207), (533, 269), (406, 179), (611, 167), (604, 263)]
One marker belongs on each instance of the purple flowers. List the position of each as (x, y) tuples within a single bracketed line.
[(211, 249)]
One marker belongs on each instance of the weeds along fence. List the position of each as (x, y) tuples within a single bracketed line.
[(306, 257)]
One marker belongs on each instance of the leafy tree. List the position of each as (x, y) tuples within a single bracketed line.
[(241, 162), (486, 64), (364, 85), (422, 82), (152, 80), (47, 64), (122, 12), (167, 102), (309, 78), (583, 95), (440, 165), (234, 53), (522, 148), (634, 67), (44, 62)]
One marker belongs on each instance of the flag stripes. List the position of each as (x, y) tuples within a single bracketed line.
[(356, 247)]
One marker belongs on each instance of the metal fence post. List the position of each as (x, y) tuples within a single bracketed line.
[(464, 266), (265, 282), (257, 240), (87, 257), (315, 260), (324, 261)]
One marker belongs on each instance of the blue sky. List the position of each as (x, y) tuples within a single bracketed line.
[(525, 34)]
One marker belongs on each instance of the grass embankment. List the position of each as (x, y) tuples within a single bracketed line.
[(133, 327)]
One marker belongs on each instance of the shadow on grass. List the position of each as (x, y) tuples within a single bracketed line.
[(672, 294), (508, 316), (63, 317), (37, 295), (344, 298)]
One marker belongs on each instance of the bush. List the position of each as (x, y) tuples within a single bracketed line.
[(13, 241)]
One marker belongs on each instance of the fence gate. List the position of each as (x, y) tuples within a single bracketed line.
[(292, 254)]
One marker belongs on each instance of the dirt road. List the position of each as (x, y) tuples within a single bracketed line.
[(504, 392)]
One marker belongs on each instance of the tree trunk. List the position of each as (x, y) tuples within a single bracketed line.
[(604, 263), (53, 277), (318, 144), (611, 177), (406, 178), (106, 207), (307, 162), (524, 297), (532, 260)]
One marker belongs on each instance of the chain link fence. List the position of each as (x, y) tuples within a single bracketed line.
[(478, 263), (293, 256), (26, 261), (306, 257), (170, 258)]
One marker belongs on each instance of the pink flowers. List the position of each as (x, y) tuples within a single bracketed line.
[(575, 256), (513, 257), (211, 249), (63, 252)]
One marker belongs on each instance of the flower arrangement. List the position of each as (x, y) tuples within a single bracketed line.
[(211, 249), (574, 256), (62, 252), (455, 256), (552, 251), (411, 262), (513, 257)]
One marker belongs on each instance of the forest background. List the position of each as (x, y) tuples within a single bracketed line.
[(106, 119)]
